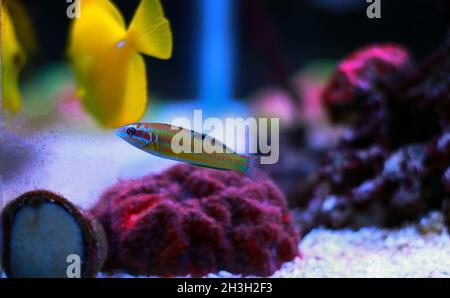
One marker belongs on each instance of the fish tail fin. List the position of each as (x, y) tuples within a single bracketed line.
[(252, 169), (150, 31)]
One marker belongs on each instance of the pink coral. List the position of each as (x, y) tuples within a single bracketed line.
[(360, 75), (193, 221), (392, 162)]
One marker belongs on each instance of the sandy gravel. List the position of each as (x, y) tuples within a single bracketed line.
[(415, 250)]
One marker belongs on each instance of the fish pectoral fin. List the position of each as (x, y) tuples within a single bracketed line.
[(150, 30)]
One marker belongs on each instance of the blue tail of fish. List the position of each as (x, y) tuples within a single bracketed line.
[(253, 169)]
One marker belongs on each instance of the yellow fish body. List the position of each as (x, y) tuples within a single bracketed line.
[(13, 59), (23, 26), (105, 55)]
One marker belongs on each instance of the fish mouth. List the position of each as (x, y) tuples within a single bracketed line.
[(119, 131)]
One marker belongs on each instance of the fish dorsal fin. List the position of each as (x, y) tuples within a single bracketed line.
[(150, 30)]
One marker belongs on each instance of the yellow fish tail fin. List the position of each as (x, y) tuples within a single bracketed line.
[(150, 31)]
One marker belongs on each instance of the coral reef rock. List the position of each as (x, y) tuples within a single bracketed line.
[(392, 162), (194, 221)]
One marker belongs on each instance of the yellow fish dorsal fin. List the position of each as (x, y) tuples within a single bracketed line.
[(150, 31)]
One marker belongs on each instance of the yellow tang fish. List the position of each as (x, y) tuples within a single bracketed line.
[(13, 59), (110, 72)]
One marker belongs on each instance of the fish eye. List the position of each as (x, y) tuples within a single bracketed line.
[(131, 131)]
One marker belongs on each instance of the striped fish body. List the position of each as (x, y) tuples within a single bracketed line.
[(157, 139)]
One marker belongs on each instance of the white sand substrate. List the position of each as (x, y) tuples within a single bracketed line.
[(415, 250)]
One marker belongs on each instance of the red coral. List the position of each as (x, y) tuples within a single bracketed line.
[(359, 76), (191, 220), (392, 163)]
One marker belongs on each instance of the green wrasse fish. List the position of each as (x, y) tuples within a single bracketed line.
[(13, 59), (105, 55), (157, 139)]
